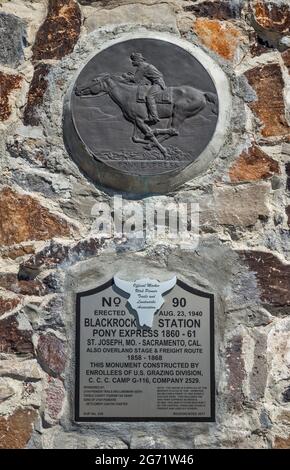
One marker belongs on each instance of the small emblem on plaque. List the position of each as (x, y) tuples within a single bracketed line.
[(145, 296)]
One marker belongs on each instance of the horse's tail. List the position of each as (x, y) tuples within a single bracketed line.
[(212, 99)]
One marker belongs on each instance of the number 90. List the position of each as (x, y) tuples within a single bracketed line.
[(179, 302)]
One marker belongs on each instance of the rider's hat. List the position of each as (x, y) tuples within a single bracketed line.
[(137, 55)]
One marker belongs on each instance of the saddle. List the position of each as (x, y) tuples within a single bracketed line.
[(163, 97)]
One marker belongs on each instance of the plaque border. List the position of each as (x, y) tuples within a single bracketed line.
[(80, 419)]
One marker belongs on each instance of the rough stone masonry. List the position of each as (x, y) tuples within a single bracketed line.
[(45, 219)]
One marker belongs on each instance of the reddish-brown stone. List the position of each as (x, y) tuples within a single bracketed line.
[(8, 83), (54, 398), (273, 276), (51, 354), (216, 10), (47, 258), (268, 84), (258, 46), (14, 340), (16, 429), (270, 16), (270, 22), (11, 282), (37, 89), (282, 442), (23, 218), (87, 248), (221, 37), (288, 214), (56, 253), (60, 31), (236, 365), (252, 165), (8, 303)]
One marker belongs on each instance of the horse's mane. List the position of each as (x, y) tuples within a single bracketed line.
[(117, 77), (120, 79)]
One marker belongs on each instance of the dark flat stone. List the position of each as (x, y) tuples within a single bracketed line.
[(12, 40), (37, 89), (273, 276), (13, 339), (216, 10)]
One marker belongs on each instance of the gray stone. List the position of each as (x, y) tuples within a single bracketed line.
[(53, 311), (6, 392), (33, 182), (248, 315), (258, 377), (81, 201), (244, 90), (231, 439), (57, 438), (54, 400), (285, 41), (35, 441), (145, 440), (278, 349), (220, 208), (236, 372), (276, 182), (20, 370), (12, 40), (241, 205), (139, 14), (265, 420)]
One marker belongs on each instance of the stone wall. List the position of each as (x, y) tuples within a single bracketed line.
[(45, 220)]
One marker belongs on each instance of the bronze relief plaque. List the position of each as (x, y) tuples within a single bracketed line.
[(140, 113)]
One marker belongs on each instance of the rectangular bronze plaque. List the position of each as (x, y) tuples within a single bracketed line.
[(127, 370)]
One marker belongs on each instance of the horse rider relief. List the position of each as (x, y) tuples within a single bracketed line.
[(146, 71), (145, 100)]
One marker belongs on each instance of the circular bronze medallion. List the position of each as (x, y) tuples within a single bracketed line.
[(140, 113)]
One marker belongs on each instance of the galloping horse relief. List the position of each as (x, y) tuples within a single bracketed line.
[(146, 101), (143, 110)]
